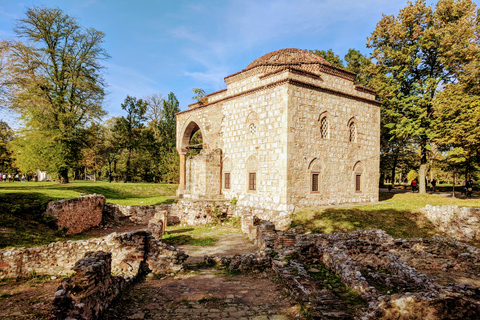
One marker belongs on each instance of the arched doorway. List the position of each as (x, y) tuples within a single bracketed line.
[(184, 145)]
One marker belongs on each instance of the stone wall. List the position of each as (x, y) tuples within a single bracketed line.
[(462, 223), (130, 251), (334, 158), (136, 214), (90, 290), (77, 214), (203, 174), (198, 212)]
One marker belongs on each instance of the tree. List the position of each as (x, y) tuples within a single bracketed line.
[(154, 111), (6, 136), (330, 56), (360, 64), (168, 130), (420, 51), (128, 130), (199, 96), (64, 89)]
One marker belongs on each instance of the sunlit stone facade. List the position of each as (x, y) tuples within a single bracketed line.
[(289, 131)]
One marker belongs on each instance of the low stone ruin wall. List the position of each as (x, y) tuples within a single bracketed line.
[(90, 290), (462, 223), (130, 252), (77, 214), (136, 214), (198, 212)]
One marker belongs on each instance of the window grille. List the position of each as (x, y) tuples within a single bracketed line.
[(252, 183), (227, 180), (353, 132), (358, 185), (253, 129), (324, 128), (314, 182)]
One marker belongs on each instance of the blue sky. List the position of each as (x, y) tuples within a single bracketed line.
[(162, 46)]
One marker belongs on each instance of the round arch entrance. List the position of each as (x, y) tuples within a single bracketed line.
[(184, 144)]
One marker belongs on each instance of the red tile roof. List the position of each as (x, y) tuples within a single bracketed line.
[(288, 56)]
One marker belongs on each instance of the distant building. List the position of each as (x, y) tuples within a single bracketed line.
[(43, 176), (290, 130)]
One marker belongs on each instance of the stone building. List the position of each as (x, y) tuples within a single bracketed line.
[(290, 130)]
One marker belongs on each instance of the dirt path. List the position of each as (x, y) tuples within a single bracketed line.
[(208, 293), (205, 294), (230, 242)]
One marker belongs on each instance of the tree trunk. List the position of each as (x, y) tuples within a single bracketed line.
[(127, 169), (63, 175), (421, 172), (109, 171), (454, 175), (115, 170), (394, 168)]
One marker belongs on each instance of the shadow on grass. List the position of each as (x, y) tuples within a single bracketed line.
[(183, 239), (181, 230), (22, 223), (399, 224), (383, 196)]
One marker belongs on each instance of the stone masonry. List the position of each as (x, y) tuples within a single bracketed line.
[(462, 223), (130, 252), (290, 130), (77, 214)]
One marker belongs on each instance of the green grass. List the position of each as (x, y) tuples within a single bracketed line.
[(397, 214), (22, 206), (194, 236), (118, 193), (334, 284)]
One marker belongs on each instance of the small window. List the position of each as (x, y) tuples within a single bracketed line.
[(252, 128), (358, 182), (227, 180), (324, 128), (352, 132), (314, 182), (252, 181)]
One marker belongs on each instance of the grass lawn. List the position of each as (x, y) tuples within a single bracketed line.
[(397, 214), (22, 206)]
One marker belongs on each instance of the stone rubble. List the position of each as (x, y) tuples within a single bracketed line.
[(387, 273), (462, 223)]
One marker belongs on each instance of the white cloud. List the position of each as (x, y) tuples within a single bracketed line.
[(243, 26)]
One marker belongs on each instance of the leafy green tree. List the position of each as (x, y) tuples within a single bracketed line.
[(199, 96), (168, 130), (330, 56), (64, 89), (420, 51), (6, 136), (128, 130), (360, 64)]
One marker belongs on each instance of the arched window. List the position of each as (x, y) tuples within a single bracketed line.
[(357, 174), (315, 174), (324, 128), (352, 132), (227, 177), (252, 124), (252, 168)]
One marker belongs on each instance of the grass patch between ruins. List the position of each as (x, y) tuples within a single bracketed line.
[(397, 214)]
